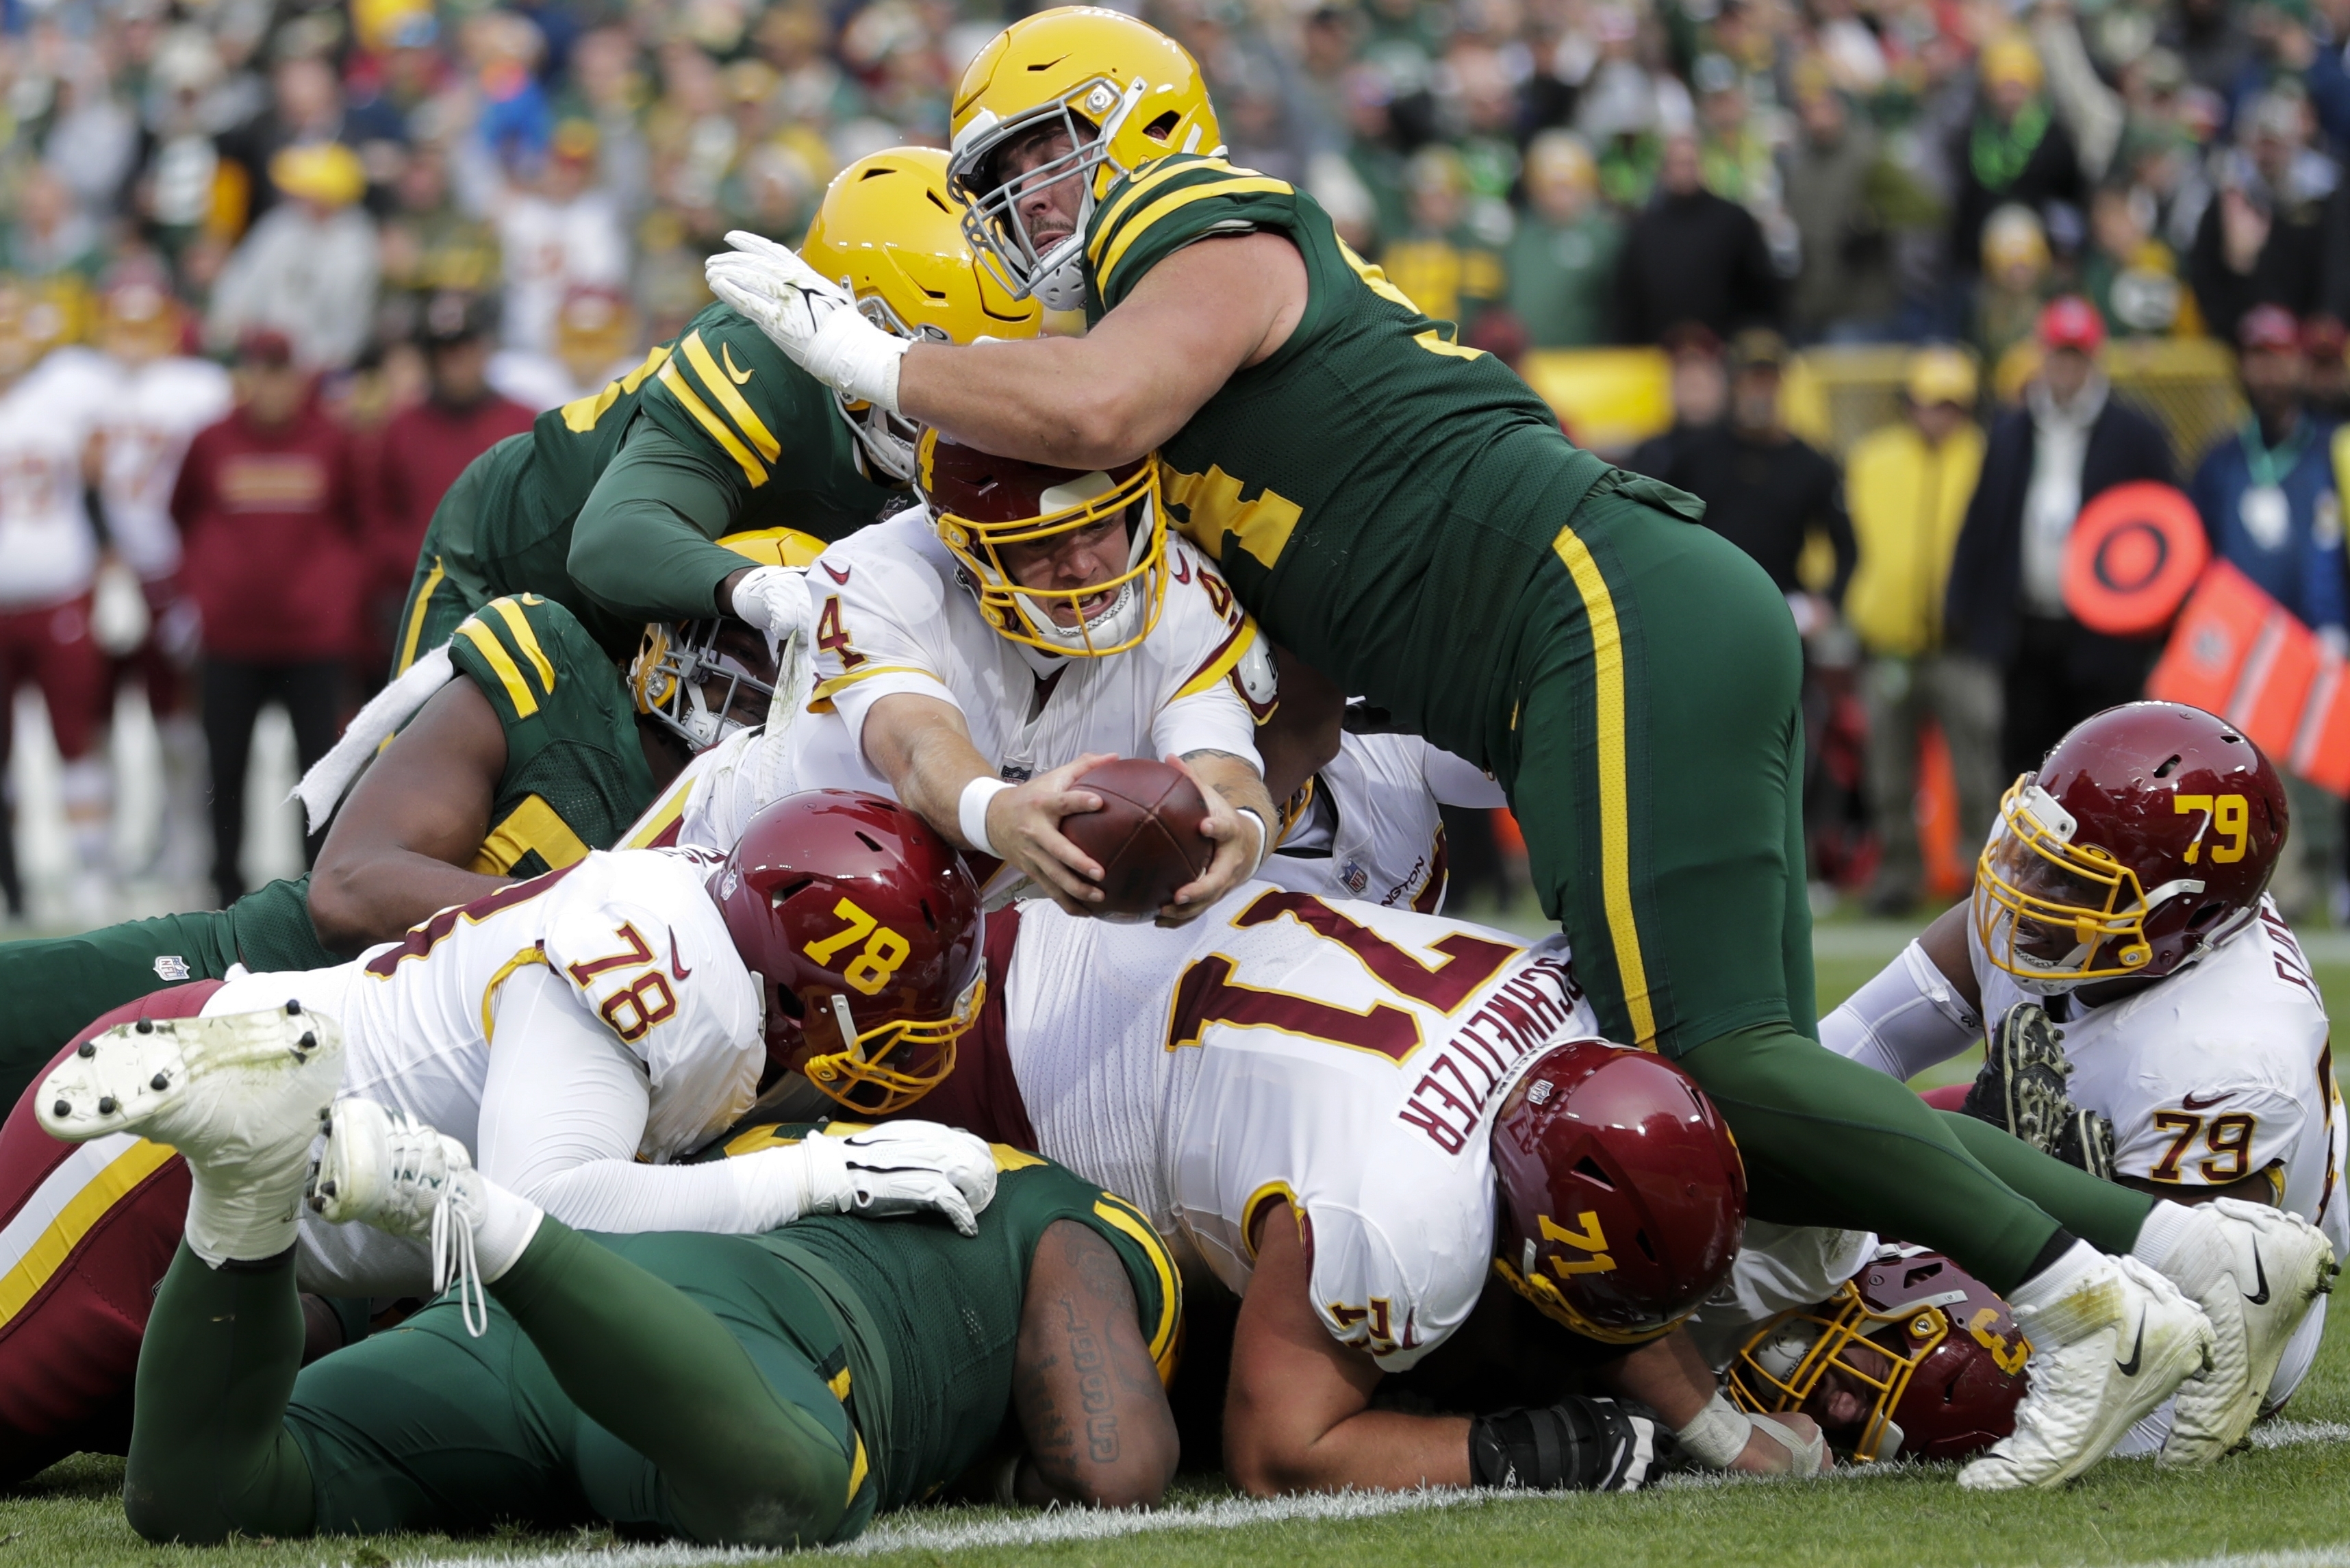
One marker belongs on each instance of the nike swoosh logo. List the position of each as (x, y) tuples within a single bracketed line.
[(2129, 1368), (2261, 1277), (840, 578), (734, 373), (2193, 1104), (676, 961)]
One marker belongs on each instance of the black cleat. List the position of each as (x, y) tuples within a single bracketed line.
[(2021, 1089)]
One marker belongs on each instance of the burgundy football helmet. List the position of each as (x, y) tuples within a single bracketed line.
[(1623, 1198), (863, 927), (2146, 837), (1912, 1358)]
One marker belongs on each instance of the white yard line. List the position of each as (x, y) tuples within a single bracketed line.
[(915, 1531)]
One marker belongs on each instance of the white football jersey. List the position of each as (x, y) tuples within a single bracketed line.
[(891, 616), (1340, 1060), (47, 550), (147, 415), (1371, 830)]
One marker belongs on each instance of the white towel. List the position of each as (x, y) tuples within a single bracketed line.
[(329, 778)]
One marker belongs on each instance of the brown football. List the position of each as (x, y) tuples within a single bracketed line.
[(1146, 836)]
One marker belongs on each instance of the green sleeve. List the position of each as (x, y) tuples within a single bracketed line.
[(642, 547), (1167, 205)]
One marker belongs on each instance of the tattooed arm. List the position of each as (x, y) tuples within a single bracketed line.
[(1090, 1406)]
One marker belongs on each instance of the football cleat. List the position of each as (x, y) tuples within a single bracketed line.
[(2085, 1139), (2106, 1354), (386, 1170), (2020, 1086), (2256, 1275), (239, 1095)]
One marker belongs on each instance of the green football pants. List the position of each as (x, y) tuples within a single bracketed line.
[(57, 985), (702, 1408), (1658, 778)]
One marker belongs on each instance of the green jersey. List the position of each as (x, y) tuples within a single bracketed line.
[(1379, 496), (930, 1319), (611, 503), (576, 773)]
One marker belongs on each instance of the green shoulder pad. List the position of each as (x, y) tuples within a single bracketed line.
[(522, 650), (726, 385), (1166, 205)]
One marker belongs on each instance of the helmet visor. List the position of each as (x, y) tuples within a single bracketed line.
[(2048, 909)]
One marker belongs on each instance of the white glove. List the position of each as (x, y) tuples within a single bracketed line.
[(812, 319), (901, 1167), (776, 600)]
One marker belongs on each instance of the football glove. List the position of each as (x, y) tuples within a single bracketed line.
[(776, 600), (1577, 1445), (901, 1167), (813, 320)]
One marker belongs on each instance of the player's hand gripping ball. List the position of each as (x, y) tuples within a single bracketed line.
[(1146, 836)]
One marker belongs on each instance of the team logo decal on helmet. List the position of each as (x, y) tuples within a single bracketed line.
[(1913, 1357), (703, 680), (1622, 1195), (2146, 837), (891, 231), (862, 928), (1123, 92), (994, 513)]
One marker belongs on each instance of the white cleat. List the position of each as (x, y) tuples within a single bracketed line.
[(237, 1090), (2256, 1275), (2104, 1353), (386, 1170)]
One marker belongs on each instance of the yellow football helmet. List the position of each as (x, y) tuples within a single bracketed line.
[(1123, 92), (889, 232), (675, 675)]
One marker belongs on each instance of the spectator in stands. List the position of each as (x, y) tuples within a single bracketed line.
[(2267, 499), (431, 244), (264, 502), (2070, 442), (2263, 240), (423, 450), (1766, 490), (2323, 344), (1907, 485), (1834, 180), (596, 341), (2015, 285), (558, 233), (1447, 268), (2131, 276), (2013, 150), (1692, 256), (307, 271), (1699, 388), (1561, 261)]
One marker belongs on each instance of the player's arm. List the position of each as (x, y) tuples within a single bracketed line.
[(642, 547), (923, 747), (1297, 1409), (1922, 1008), (1091, 1408), (416, 818), (1208, 310)]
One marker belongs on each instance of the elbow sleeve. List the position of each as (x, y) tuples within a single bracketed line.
[(1904, 1021)]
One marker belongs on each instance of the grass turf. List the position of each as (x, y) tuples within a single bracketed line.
[(2267, 1500)]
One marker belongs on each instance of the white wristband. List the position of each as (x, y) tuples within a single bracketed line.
[(1718, 1433), (1264, 837), (971, 811)]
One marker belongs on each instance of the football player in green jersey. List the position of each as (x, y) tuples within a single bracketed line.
[(611, 504), (1405, 515), (770, 1390), (539, 754)]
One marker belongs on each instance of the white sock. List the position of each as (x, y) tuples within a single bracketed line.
[(2179, 1242), (2070, 1298), (507, 1226)]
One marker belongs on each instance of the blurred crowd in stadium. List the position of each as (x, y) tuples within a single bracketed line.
[(271, 271)]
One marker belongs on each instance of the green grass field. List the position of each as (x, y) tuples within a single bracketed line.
[(2286, 1502)]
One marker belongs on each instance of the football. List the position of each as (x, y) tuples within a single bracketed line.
[(1146, 836)]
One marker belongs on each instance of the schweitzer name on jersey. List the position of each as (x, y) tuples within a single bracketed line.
[(1530, 1012)]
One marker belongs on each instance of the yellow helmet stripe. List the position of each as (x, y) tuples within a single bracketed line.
[(527, 640), (502, 664), (1183, 198), (721, 385), (752, 469), (1150, 179)]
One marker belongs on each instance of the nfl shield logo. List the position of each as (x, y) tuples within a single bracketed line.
[(1355, 878), (170, 966)]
